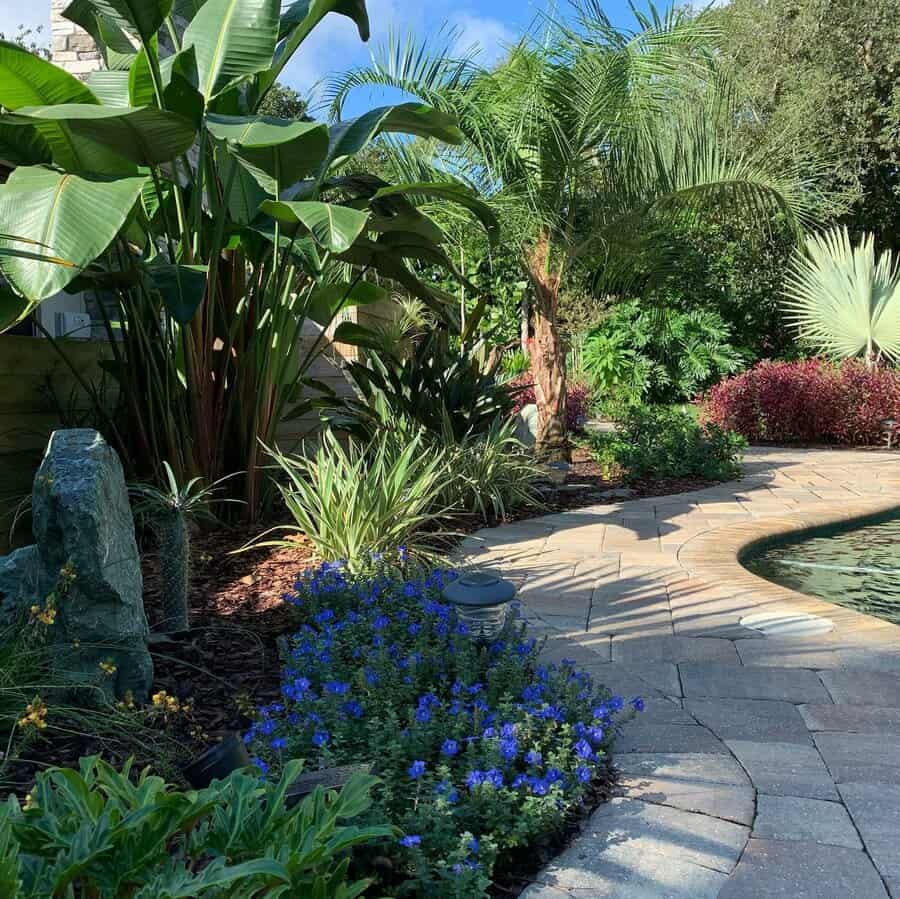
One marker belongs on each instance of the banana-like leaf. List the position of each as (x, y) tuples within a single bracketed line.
[(231, 38), (248, 188), (284, 149), (144, 136), (116, 47), (142, 18), (182, 288), (842, 300), (110, 87), (327, 301), (22, 146), (334, 228), (456, 193), (348, 138), (298, 19), (75, 217), (357, 335), (140, 81)]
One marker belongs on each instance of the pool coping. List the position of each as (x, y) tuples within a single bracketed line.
[(716, 556)]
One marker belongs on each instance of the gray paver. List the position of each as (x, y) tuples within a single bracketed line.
[(774, 869), (850, 719), (863, 687), (860, 758), (687, 766), (875, 809), (674, 649), (637, 850), (732, 803), (785, 769), (761, 720), (639, 737), (796, 818), (701, 679)]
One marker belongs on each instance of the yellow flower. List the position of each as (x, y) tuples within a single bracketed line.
[(48, 616), (163, 701), (108, 667), (35, 714), (35, 610), (29, 802)]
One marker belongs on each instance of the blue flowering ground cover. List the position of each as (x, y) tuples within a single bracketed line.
[(482, 750)]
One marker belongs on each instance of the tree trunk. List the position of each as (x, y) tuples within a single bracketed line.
[(548, 362)]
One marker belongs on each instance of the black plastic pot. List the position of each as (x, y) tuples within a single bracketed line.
[(217, 762)]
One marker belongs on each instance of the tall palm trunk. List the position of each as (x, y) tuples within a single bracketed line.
[(548, 362)]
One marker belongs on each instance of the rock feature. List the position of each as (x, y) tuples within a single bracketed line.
[(86, 555), (527, 425), (18, 584)]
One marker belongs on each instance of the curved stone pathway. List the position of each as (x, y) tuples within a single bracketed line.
[(762, 766)]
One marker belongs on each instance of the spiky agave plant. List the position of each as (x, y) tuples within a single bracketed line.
[(169, 510), (842, 300)]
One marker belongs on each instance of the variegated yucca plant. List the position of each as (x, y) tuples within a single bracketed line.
[(223, 235)]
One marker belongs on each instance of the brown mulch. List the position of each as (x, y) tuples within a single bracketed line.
[(229, 662)]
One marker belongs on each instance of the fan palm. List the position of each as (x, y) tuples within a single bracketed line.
[(842, 300), (585, 133)]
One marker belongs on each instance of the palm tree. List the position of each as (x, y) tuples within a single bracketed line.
[(586, 133), (842, 300)]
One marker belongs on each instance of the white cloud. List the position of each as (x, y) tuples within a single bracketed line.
[(491, 36)]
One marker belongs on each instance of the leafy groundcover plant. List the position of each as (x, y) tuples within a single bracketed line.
[(662, 442), (482, 750), (100, 834)]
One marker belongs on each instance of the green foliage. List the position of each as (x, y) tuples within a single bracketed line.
[(363, 498), (98, 833), (644, 353), (819, 81), (489, 474), (217, 229), (448, 391), (842, 300), (657, 442)]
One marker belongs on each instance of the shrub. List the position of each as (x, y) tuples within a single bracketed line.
[(94, 833), (657, 354), (363, 498), (661, 442), (577, 399), (812, 401), (490, 474), (481, 750)]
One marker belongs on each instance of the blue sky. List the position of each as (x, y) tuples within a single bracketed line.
[(336, 46)]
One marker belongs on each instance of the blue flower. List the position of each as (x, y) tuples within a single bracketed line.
[(583, 749), (617, 703), (533, 757), (338, 688), (449, 748), (320, 737), (583, 773), (532, 693), (278, 743), (474, 779), (411, 840), (353, 708), (637, 704), (447, 791), (417, 769), (259, 763), (494, 776), (474, 846), (423, 715), (509, 749)]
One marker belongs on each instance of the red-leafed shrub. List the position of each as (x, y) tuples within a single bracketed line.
[(577, 399), (813, 401)]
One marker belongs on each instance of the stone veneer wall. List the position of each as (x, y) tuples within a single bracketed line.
[(73, 48)]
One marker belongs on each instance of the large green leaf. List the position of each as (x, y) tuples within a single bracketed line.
[(74, 216), (144, 136), (348, 138), (110, 87), (142, 18), (22, 146), (28, 80), (140, 80), (299, 18), (334, 228), (182, 288), (452, 191), (13, 309), (232, 38), (247, 187), (116, 47), (327, 301), (283, 149)]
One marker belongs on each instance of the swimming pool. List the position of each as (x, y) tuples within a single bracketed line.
[(853, 564)]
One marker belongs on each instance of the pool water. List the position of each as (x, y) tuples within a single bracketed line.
[(857, 566)]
